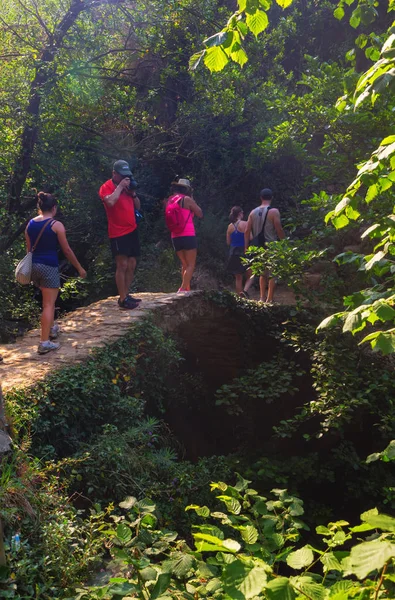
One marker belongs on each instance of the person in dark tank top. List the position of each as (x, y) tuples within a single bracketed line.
[(45, 267)]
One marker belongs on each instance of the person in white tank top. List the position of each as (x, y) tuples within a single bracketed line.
[(273, 232)]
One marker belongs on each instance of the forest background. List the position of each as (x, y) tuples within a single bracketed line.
[(86, 83), (296, 96)]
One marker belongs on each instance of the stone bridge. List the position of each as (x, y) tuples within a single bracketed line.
[(86, 328)]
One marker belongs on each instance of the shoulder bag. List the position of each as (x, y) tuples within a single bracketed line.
[(23, 271)]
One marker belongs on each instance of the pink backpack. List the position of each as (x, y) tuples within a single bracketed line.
[(174, 217)]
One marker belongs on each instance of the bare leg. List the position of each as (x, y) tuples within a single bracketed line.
[(184, 264), (48, 313), (129, 276), (239, 283), (249, 280), (262, 287), (190, 258), (120, 275), (270, 290)]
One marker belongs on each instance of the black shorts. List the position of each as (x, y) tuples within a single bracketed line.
[(126, 245), (184, 242)]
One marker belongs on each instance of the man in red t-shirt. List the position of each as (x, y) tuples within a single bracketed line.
[(120, 203)]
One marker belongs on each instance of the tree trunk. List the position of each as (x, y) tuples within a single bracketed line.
[(43, 81)]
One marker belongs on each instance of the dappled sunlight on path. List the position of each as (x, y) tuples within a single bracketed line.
[(85, 328)]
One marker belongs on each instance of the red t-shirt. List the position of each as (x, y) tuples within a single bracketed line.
[(121, 217)]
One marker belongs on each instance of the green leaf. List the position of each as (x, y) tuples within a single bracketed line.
[(309, 587), (202, 511), (330, 562), (353, 322), (124, 534), (257, 22), (388, 140), (330, 321), (300, 558), (195, 59), (385, 312), (355, 18), (149, 574), (240, 578), (218, 39), (338, 13), (215, 59), (340, 221), (161, 585), (210, 543), (370, 556), (384, 522), (179, 564), (284, 3), (238, 55), (249, 534), (372, 192), (280, 589), (146, 505)]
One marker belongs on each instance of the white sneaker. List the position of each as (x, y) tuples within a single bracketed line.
[(54, 332), (45, 347)]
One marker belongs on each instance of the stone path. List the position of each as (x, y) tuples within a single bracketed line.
[(90, 327), (83, 329)]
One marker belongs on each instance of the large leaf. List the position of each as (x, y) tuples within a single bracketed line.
[(370, 556), (300, 558), (242, 581), (249, 534), (280, 589), (161, 585), (218, 39), (257, 22), (330, 562), (179, 564), (195, 59), (310, 588), (124, 534), (374, 518), (215, 58)]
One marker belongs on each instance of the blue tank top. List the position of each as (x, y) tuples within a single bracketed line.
[(236, 238), (46, 252)]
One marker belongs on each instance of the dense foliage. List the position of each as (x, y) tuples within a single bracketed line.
[(298, 97)]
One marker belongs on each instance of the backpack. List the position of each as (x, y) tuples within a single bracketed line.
[(259, 240), (174, 217)]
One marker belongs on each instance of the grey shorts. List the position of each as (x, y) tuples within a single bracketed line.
[(44, 276)]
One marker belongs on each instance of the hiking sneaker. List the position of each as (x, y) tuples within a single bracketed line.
[(45, 347), (54, 332), (134, 299), (127, 304), (244, 294)]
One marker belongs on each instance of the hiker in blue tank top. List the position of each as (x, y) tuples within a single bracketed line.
[(264, 216), (45, 267), (235, 239)]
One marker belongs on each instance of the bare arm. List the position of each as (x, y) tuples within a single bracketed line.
[(247, 233), (277, 225), (228, 232), (190, 204), (136, 201), (60, 231), (28, 242), (114, 197)]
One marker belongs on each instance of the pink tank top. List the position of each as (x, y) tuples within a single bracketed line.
[(189, 229)]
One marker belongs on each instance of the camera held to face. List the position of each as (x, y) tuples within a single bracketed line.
[(133, 183)]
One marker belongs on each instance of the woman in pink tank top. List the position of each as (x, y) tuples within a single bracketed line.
[(184, 242)]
